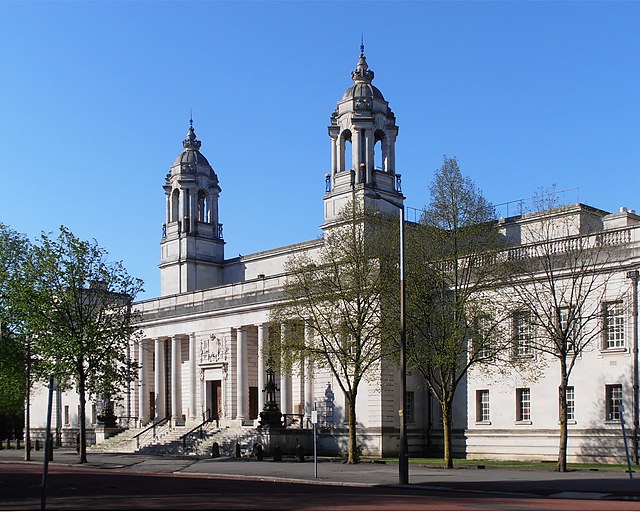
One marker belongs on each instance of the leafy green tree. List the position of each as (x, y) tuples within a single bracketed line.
[(81, 318), (452, 324), (336, 295), (14, 249)]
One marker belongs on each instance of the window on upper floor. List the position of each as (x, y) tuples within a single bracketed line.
[(482, 340), (523, 333), (613, 313)]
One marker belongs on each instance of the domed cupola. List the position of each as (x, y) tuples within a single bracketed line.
[(191, 161), (362, 90), (363, 135), (192, 243)]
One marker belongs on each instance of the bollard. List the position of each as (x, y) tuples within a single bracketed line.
[(17, 444), (299, 453), (257, 452), (277, 454), (37, 445), (238, 452), (215, 450), (8, 444)]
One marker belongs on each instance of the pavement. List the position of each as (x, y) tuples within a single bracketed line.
[(614, 485)]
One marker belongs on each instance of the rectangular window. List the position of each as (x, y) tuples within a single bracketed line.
[(613, 400), (571, 404), (523, 404), (614, 325), (523, 334), (482, 406), (410, 406), (483, 346), (67, 416)]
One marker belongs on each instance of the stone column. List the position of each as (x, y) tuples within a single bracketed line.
[(263, 333), (176, 409), (392, 153), (308, 376), (355, 154), (241, 369), (159, 379), (143, 394), (340, 149), (168, 215), (193, 208), (334, 156), (183, 208), (369, 150), (285, 384), (193, 368)]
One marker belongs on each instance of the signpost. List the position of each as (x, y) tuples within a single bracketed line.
[(624, 436), (314, 421)]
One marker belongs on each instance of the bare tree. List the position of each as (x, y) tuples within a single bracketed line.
[(336, 294), (559, 278)]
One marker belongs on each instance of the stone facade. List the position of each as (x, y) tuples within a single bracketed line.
[(201, 355)]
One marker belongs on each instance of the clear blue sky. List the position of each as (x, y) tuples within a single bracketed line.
[(95, 100)]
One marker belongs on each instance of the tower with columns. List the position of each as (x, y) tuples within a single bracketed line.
[(192, 244), (363, 135)]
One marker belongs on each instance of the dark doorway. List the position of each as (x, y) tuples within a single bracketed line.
[(253, 402), (215, 399), (152, 405)]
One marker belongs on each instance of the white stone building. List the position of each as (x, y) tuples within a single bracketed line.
[(201, 355)]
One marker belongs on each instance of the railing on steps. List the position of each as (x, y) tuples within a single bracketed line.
[(199, 428), (152, 427)]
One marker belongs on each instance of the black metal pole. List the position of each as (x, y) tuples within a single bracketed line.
[(47, 449), (403, 459)]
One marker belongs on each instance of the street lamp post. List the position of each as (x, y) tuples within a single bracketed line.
[(403, 452)]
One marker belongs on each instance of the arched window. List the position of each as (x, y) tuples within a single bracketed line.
[(379, 151), (175, 204), (202, 205), (345, 151)]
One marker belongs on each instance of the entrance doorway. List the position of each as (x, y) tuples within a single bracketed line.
[(215, 399)]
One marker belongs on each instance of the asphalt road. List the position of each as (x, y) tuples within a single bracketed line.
[(124, 482)]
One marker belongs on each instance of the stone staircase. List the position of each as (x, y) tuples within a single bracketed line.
[(126, 442), (168, 441)]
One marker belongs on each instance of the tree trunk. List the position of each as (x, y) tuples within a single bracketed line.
[(27, 409), (446, 432), (353, 455), (564, 432), (82, 456)]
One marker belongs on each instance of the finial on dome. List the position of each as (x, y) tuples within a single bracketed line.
[(362, 72), (191, 142)]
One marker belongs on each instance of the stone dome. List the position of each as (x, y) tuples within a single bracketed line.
[(191, 160), (362, 77), (362, 90), (191, 156)]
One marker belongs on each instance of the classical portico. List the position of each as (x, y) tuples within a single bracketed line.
[(188, 377)]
